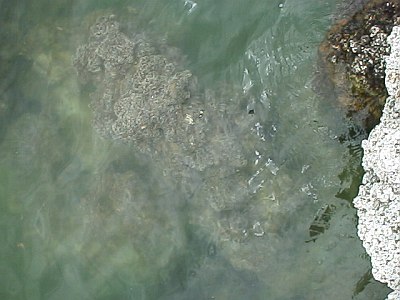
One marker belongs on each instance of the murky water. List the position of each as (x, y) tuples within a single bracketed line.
[(89, 218)]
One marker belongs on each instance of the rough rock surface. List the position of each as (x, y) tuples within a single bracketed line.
[(378, 201), (353, 58)]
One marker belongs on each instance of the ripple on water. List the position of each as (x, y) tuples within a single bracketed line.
[(110, 228)]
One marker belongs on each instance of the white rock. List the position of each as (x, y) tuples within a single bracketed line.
[(378, 200)]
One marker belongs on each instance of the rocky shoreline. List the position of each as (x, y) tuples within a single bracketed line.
[(361, 59), (378, 200)]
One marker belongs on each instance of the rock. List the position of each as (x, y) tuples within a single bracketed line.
[(139, 91), (378, 200), (145, 97), (353, 58)]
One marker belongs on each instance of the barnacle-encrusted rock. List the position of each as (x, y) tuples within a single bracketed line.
[(354, 52), (378, 200)]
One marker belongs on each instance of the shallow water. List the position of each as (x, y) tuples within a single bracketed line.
[(88, 218)]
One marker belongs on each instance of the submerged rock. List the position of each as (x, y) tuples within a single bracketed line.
[(140, 89), (146, 98), (353, 56)]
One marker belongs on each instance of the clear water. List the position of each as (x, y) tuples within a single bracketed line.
[(87, 218)]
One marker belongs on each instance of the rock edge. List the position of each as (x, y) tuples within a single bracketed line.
[(378, 200)]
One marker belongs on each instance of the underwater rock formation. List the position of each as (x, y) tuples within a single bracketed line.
[(146, 98), (134, 100), (353, 54), (378, 200), (143, 96)]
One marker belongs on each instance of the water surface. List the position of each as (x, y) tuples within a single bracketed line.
[(87, 218)]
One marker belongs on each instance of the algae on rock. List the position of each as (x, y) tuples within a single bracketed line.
[(353, 57)]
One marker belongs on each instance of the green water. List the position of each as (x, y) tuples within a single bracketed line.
[(86, 218)]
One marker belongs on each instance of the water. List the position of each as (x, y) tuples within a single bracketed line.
[(88, 218)]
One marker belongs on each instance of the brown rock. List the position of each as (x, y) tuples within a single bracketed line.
[(352, 58)]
